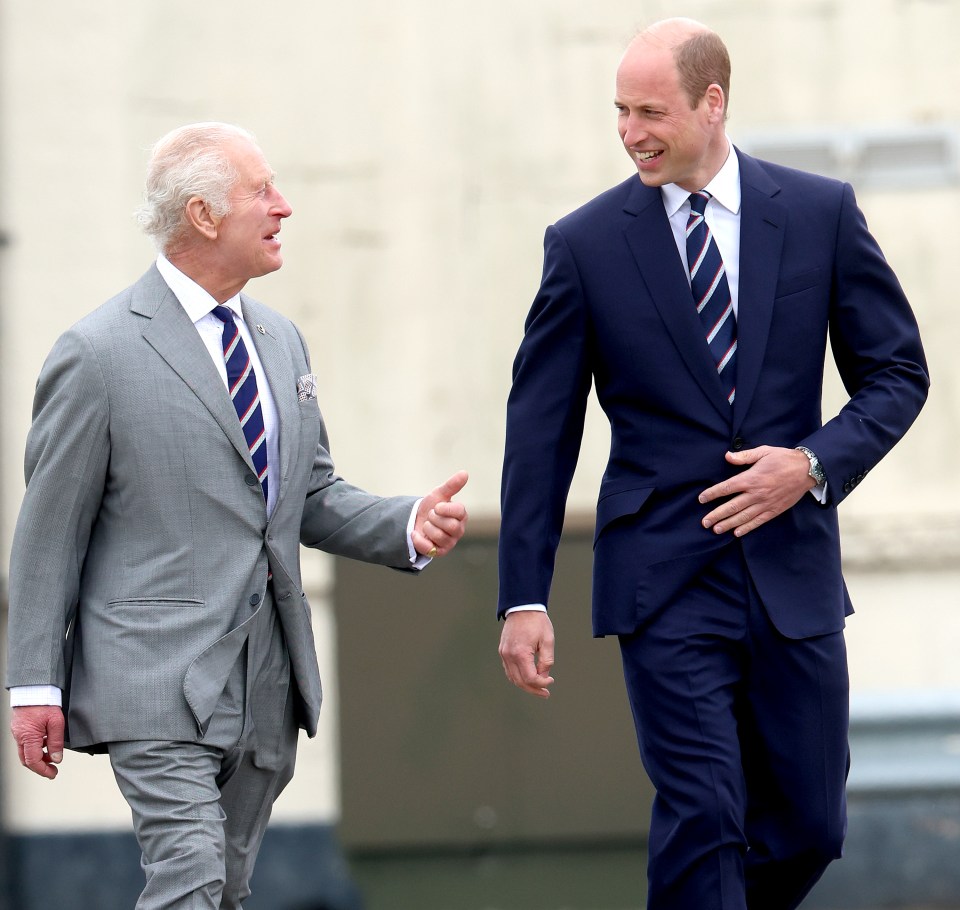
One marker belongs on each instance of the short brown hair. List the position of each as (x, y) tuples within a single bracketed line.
[(702, 60)]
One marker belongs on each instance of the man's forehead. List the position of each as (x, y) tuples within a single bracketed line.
[(647, 69), (250, 162), (643, 87)]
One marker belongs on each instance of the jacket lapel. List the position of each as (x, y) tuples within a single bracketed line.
[(174, 337), (651, 241), (762, 225)]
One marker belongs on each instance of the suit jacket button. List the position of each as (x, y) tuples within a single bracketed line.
[(737, 444), (254, 599), (250, 480)]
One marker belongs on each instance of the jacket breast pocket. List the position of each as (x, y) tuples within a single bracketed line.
[(794, 284), (309, 407)]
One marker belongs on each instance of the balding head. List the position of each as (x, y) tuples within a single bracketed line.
[(671, 103), (700, 55), (671, 32)]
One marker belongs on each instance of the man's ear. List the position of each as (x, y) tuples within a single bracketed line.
[(202, 219), (716, 102)]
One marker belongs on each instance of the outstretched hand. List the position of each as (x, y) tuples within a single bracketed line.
[(440, 521), (775, 480), (38, 730)]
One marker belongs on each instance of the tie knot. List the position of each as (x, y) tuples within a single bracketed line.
[(698, 201), (223, 313)]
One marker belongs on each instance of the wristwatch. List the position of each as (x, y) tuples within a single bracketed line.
[(816, 469)]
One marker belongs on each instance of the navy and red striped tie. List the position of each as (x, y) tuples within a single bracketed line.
[(711, 293), (242, 385)]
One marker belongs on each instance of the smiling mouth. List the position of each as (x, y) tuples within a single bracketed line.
[(647, 156)]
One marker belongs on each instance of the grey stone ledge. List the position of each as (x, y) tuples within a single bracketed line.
[(905, 741), (901, 542)]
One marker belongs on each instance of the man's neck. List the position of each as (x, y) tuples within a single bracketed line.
[(198, 268)]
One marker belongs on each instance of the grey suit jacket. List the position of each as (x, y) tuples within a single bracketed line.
[(143, 546)]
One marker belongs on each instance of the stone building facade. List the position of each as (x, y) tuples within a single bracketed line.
[(424, 146)]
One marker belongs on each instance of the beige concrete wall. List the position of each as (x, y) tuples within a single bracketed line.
[(424, 146)]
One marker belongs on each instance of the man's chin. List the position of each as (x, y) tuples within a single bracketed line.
[(649, 178), (272, 264)]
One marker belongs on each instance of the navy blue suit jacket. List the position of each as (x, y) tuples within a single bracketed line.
[(614, 309)]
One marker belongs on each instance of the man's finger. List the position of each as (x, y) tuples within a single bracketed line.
[(455, 511), (453, 485), (719, 491), (55, 729), (523, 673), (747, 456), (35, 759), (423, 544), (545, 659)]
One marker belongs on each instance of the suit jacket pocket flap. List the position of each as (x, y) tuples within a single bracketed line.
[(793, 284), (616, 505)]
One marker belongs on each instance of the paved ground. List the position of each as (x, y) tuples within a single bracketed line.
[(602, 879)]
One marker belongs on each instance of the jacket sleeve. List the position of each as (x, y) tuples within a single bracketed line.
[(876, 346), (545, 417), (67, 454)]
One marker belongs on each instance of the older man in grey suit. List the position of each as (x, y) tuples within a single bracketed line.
[(176, 461)]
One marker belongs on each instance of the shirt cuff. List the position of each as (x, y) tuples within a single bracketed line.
[(525, 608), (819, 493), (22, 696), (417, 560)]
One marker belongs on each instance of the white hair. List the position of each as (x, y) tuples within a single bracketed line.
[(189, 161)]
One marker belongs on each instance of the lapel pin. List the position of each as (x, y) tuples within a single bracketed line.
[(261, 329)]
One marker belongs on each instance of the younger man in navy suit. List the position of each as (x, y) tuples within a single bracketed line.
[(698, 298)]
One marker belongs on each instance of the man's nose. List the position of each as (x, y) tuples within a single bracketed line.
[(281, 206), (633, 133)]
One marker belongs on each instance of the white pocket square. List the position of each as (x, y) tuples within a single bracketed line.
[(307, 387)]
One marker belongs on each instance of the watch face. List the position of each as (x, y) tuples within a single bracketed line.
[(816, 469)]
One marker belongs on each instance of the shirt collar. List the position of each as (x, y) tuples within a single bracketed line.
[(724, 187), (194, 299)]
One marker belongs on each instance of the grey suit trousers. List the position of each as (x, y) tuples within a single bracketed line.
[(200, 810)]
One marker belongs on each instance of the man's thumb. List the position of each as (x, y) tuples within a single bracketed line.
[(453, 485)]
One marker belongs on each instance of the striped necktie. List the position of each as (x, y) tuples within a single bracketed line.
[(242, 385), (711, 293)]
